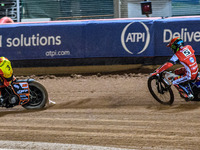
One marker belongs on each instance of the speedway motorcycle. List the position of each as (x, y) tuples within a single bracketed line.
[(160, 88), (28, 93)]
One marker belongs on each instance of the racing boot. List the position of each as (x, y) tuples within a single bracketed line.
[(184, 93), (2, 101), (190, 96)]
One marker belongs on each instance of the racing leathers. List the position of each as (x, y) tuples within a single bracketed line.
[(185, 55), (6, 75), (6, 71)]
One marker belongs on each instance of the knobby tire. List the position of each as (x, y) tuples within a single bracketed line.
[(155, 95)]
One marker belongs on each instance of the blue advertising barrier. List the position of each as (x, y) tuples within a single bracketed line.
[(42, 41), (97, 38), (119, 39), (166, 29)]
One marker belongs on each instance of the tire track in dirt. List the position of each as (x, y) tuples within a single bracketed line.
[(113, 111)]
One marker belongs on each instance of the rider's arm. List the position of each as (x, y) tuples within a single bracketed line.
[(164, 67), (168, 64), (5, 82)]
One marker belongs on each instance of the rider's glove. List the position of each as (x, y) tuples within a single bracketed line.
[(155, 73)]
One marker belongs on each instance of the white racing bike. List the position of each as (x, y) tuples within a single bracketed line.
[(160, 88)]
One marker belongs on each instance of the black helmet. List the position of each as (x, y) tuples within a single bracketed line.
[(175, 44)]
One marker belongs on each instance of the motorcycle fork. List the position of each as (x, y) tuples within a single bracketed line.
[(8, 92), (160, 87)]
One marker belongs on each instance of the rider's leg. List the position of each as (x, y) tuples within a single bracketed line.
[(1, 97), (179, 84)]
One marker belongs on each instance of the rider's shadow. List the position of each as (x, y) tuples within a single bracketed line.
[(188, 106), (18, 111)]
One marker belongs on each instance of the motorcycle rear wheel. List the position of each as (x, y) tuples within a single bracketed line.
[(160, 91), (38, 96)]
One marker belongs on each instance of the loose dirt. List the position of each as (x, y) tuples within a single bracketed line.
[(104, 110)]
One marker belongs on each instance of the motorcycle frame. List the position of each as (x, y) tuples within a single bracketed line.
[(21, 102)]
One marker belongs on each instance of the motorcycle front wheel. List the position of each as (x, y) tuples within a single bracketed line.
[(160, 91), (38, 96)]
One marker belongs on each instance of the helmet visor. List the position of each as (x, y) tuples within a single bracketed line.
[(173, 47)]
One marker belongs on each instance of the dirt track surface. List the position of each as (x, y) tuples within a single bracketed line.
[(111, 110)]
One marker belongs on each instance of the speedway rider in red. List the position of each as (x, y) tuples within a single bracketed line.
[(185, 55)]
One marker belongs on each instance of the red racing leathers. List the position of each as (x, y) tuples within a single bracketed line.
[(186, 57)]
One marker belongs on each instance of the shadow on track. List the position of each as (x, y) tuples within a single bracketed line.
[(101, 102), (188, 106), (5, 112)]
